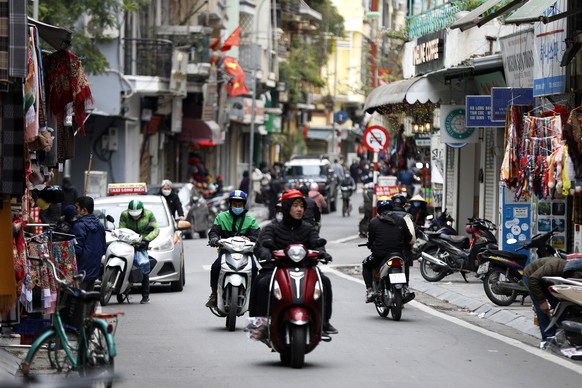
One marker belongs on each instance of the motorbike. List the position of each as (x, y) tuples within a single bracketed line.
[(216, 205), (443, 224), (119, 272), (502, 271), (446, 254), (567, 316), (388, 286), (295, 327), (346, 205), (234, 279)]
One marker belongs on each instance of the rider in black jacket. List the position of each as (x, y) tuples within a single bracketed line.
[(388, 234), (291, 230), (172, 199)]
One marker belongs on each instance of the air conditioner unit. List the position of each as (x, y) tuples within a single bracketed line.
[(91, 29)]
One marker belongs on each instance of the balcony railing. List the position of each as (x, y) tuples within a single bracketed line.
[(148, 57), (432, 20)]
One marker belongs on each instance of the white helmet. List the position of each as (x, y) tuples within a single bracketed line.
[(314, 186)]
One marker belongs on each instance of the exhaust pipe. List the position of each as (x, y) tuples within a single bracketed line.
[(511, 286), (433, 259)]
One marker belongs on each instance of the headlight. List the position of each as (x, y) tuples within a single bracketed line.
[(277, 290), (165, 245), (296, 253), (317, 291)]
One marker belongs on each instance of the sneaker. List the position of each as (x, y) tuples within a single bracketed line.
[(329, 329), (211, 301), (145, 300), (370, 296), (408, 297)]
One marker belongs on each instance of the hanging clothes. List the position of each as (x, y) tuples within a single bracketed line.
[(573, 136), (12, 174)]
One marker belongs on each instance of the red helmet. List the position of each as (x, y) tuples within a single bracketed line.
[(291, 194)]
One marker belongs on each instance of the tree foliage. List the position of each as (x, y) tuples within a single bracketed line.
[(67, 14)]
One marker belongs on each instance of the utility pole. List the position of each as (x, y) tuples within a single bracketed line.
[(334, 148)]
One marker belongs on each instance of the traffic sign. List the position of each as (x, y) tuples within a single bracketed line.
[(376, 138)]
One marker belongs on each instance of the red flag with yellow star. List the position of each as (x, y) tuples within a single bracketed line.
[(232, 40)]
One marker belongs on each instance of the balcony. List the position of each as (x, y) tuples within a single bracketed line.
[(431, 20), (148, 57)]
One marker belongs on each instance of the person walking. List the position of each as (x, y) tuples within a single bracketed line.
[(143, 222), (90, 236)]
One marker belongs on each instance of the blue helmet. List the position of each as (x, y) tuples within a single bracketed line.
[(384, 204), (238, 194)]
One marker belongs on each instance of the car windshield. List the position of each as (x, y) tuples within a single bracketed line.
[(313, 170), (102, 210)]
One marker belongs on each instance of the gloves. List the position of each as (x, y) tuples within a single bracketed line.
[(145, 244), (213, 242), (325, 257)]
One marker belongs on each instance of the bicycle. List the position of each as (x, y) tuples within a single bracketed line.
[(78, 340)]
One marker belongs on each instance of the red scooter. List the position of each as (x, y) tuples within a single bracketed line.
[(296, 304)]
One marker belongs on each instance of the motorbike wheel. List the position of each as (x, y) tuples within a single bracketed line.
[(397, 305), (232, 309), (298, 341), (495, 293), (107, 285), (429, 271), (382, 310)]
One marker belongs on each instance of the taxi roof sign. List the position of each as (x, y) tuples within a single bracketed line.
[(126, 188)]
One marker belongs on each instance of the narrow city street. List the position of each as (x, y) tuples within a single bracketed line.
[(176, 341)]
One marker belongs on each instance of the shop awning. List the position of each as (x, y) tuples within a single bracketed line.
[(481, 14), (320, 133), (200, 132), (389, 94), (533, 11), (57, 37)]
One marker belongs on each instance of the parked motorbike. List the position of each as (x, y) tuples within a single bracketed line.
[(295, 326), (388, 286), (119, 272), (567, 316), (442, 224), (446, 254), (502, 271), (234, 279)]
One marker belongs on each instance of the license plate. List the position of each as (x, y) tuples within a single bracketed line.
[(397, 278), (483, 268)]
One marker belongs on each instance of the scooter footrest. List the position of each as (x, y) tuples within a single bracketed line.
[(325, 337)]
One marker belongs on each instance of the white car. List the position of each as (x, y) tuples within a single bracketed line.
[(166, 252)]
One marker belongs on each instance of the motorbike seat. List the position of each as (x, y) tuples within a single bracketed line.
[(572, 326), (89, 296), (454, 239), (520, 257)]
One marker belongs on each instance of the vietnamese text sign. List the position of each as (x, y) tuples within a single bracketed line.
[(478, 112), (517, 51), (501, 98)]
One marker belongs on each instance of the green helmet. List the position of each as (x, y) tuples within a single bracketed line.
[(135, 208)]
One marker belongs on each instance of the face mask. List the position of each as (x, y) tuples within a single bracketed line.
[(237, 211), (416, 204), (166, 192), (279, 216)]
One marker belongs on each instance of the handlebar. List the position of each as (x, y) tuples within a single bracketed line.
[(363, 245)]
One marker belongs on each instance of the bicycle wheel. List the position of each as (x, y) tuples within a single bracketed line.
[(95, 360), (50, 357)]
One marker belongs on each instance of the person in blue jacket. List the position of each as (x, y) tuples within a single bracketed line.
[(90, 236)]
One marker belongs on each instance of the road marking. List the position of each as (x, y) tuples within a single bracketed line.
[(346, 239), (510, 341)]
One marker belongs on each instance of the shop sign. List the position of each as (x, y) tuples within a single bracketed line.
[(478, 113), (549, 47), (386, 191), (422, 139), (429, 54), (501, 98), (517, 51)]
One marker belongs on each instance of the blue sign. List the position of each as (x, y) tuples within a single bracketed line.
[(478, 112), (340, 117), (501, 98)]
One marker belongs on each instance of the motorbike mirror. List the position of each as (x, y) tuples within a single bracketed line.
[(268, 243), (110, 218), (430, 217), (183, 225), (511, 241)]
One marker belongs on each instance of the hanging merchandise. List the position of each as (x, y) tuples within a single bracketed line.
[(510, 167), (573, 137)]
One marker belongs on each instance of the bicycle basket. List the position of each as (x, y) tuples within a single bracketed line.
[(73, 309)]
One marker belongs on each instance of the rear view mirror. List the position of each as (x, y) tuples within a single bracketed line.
[(110, 218)]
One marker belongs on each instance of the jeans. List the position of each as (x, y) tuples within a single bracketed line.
[(145, 286), (543, 318)]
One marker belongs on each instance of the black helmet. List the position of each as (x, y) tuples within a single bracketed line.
[(398, 200)]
